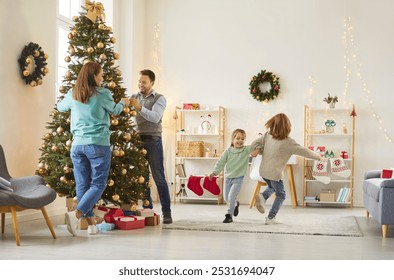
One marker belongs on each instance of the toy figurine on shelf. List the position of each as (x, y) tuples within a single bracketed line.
[(330, 124), (205, 124)]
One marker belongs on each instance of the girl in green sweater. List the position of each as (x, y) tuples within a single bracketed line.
[(234, 161)]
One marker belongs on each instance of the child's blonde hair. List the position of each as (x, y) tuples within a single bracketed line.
[(238, 130), (279, 126)]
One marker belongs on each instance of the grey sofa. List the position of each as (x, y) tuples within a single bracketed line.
[(378, 197)]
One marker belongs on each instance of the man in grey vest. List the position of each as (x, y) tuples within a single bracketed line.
[(150, 107)]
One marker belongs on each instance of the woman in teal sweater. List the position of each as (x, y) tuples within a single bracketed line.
[(90, 106), (234, 161)]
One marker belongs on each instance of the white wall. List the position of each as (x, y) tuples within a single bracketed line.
[(209, 50), (24, 109)]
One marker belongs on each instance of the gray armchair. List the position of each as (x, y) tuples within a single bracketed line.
[(23, 193), (378, 197)]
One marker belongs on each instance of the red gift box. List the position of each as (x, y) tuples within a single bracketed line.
[(386, 173), (152, 221), (129, 222), (112, 214)]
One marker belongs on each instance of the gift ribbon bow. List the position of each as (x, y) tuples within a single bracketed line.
[(94, 11)]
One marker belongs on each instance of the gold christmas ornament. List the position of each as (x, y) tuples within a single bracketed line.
[(115, 197), (60, 130), (146, 203), (41, 165), (124, 171), (115, 153), (68, 75), (101, 26), (90, 50), (63, 179), (113, 40), (66, 169), (26, 73), (110, 182), (121, 153), (133, 113), (47, 136), (127, 137), (45, 70), (133, 208), (75, 18), (67, 59), (114, 122), (33, 83), (143, 151), (69, 36), (141, 180), (29, 60), (69, 143), (46, 56), (112, 84), (103, 56), (100, 45), (36, 53), (119, 72), (54, 148), (116, 55), (39, 82)]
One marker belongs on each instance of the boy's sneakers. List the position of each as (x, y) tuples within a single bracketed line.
[(228, 219), (72, 222), (271, 221), (92, 230), (259, 204), (236, 209)]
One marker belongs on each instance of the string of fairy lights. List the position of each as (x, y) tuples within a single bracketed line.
[(351, 58)]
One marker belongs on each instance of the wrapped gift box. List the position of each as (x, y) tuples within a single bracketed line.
[(145, 212), (190, 148), (153, 220), (105, 226), (112, 214), (129, 222)]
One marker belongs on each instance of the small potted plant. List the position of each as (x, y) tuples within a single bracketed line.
[(331, 100)]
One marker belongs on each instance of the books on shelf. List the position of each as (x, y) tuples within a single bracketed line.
[(180, 170), (344, 194)]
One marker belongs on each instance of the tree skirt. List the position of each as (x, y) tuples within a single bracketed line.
[(290, 224)]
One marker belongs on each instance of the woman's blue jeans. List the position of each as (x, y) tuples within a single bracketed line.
[(91, 169), (278, 188)]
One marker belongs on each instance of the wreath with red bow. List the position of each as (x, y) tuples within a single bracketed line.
[(264, 77)]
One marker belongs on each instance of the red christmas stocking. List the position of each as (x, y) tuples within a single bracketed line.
[(211, 185), (194, 185)]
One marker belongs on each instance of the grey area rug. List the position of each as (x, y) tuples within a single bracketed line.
[(293, 224)]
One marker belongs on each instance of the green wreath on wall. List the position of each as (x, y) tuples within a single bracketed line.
[(32, 64), (264, 77)]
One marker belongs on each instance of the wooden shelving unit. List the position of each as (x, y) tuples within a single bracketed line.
[(188, 128), (342, 138)]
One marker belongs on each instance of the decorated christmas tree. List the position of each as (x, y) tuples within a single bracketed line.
[(91, 40)]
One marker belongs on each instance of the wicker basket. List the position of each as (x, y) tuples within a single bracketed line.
[(190, 148)]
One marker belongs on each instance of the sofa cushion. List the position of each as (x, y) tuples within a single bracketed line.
[(387, 173), (371, 187)]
